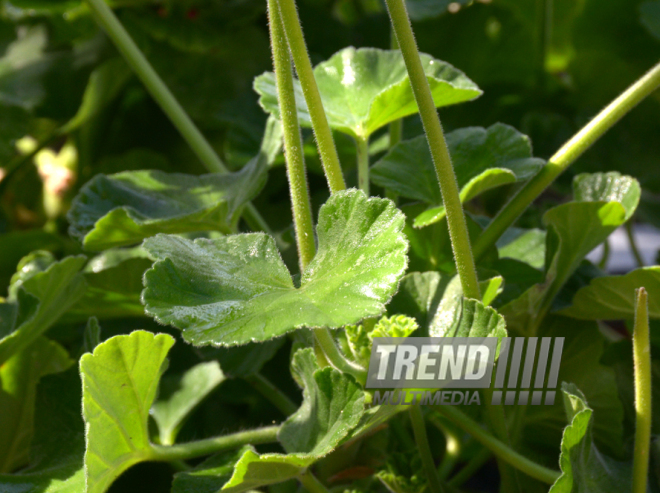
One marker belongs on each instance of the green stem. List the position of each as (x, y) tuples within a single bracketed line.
[(566, 156), (362, 147), (602, 263), (200, 448), (473, 465), (322, 132), (642, 359), (311, 483), (498, 448), (293, 147), (336, 358), (266, 388), (633, 244), (448, 186), (106, 18), (422, 440), (497, 421), (396, 127)]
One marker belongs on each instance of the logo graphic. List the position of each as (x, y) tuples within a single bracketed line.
[(464, 363)]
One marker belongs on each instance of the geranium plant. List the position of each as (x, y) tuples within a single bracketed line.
[(255, 377)]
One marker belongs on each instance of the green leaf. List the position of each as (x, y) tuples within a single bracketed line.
[(254, 471), (19, 376), (418, 296), (365, 89), (604, 201), (211, 475), (482, 158), (395, 326), (608, 187), (236, 289), (332, 406), (120, 380), (468, 318), (180, 395), (58, 446), (650, 17), (613, 297), (583, 466), (124, 208), (114, 285), (40, 301), (524, 245)]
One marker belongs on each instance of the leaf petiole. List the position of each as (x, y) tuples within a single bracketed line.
[(566, 156), (208, 446), (362, 148), (442, 160), (498, 448), (293, 147), (322, 132), (422, 440), (266, 388), (325, 340)]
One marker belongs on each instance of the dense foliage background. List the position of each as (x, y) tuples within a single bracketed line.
[(545, 67)]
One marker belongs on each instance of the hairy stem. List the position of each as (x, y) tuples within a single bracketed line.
[(106, 18), (422, 440), (497, 422), (448, 186), (322, 132), (200, 448), (642, 360), (293, 148), (362, 148), (336, 357), (566, 156), (633, 244), (278, 398), (498, 448), (311, 483)]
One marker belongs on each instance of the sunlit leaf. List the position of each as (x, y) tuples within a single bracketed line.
[(120, 380), (236, 289), (367, 88)]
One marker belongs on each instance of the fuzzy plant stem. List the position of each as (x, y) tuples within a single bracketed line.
[(336, 358), (362, 147), (443, 167), (642, 360), (566, 156), (470, 469), (630, 232), (422, 440), (322, 132), (311, 483), (106, 18), (278, 398), (200, 448), (497, 447), (293, 148)]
